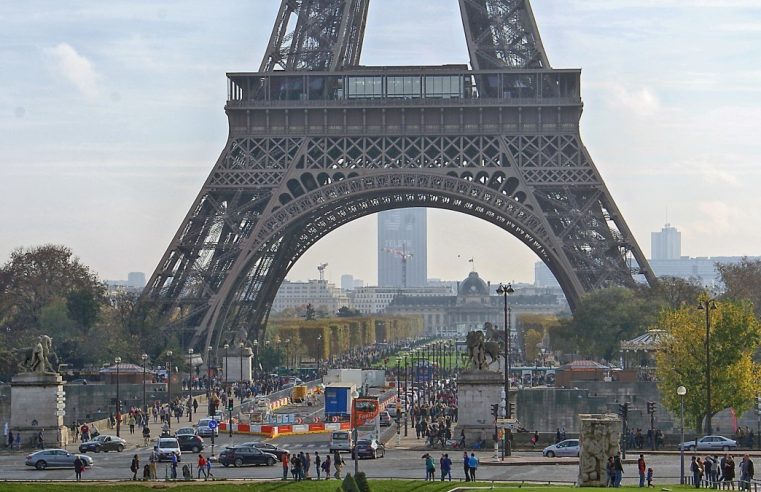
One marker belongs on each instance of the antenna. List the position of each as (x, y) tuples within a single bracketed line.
[(404, 255)]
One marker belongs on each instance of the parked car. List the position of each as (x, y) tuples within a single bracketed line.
[(103, 443), (385, 419), (569, 447), (165, 446), (246, 455), (203, 429), (269, 448), (185, 431), (55, 458), (710, 443), (369, 448), (192, 443)]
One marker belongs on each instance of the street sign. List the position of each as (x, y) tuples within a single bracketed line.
[(212, 424), (60, 413), (60, 406)]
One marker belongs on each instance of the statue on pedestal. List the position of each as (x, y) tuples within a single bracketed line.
[(38, 359), (479, 346)]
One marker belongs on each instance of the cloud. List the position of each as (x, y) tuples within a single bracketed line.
[(640, 102), (716, 217), (76, 69)]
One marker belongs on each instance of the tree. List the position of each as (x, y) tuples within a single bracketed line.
[(681, 360), (532, 339), (602, 319), (673, 292), (742, 281), (347, 312)]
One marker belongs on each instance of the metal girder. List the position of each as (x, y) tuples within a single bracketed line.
[(502, 33), (293, 169), (326, 35)]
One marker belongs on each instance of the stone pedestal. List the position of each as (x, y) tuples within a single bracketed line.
[(477, 391), (236, 362), (37, 404), (600, 435)]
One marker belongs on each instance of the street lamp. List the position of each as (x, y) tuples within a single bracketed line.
[(354, 430), (144, 358), (256, 354), (504, 291), (118, 361), (169, 354), (227, 392), (407, 395), (190, 384), (240, 389), (708, 305), (681, 391), (208, 381)]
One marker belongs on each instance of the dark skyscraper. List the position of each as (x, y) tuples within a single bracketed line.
[(402, 237)]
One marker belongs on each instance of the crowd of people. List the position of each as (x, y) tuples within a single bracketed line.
[(713, 472), (302, 466)]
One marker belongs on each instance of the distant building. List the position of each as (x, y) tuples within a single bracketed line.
[(347, 282), (543, 277), (402, 232), (135, 283), (319, 293), (666, 244), (374, 300)]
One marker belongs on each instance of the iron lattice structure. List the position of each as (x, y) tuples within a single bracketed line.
[(317, 141)]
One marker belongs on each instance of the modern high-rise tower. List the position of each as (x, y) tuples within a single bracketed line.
[(667, 244), (402, 238)]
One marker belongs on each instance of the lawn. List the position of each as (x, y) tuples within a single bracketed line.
[(267, 486)]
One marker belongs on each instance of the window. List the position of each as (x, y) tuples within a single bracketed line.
[(365, 87), (444, 86), (403, 86)]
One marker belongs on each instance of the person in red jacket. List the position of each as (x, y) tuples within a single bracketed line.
[(285, 461)]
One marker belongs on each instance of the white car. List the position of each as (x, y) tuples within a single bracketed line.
[(710, 443), (569, 447), (165, 446), (204, 429)]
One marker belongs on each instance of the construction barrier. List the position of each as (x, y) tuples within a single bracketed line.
[(285, 429)]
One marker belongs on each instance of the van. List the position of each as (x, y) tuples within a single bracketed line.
[(341, 441)]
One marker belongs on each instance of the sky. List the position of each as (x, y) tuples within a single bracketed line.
[(111, 118)]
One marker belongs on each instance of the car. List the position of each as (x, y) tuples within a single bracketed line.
[(203, 429), (269, 448), (103, 443), (185, 431), (77, 381), (569, 447), (246, 455), (166, 446), (55, 458), (341, 441), (709, 443), (385, 419), (369, 448), (192, 443)]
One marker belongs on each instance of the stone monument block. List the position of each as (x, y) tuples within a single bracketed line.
[(477, 391), (37, 404), (599, 438)]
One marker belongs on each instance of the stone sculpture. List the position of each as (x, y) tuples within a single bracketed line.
[(599, 438), (38, 359), (480, 345)]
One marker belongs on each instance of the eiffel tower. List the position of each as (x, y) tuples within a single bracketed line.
[(317, 140)]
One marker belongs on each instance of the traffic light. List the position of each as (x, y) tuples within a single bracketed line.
[(758, 405), (623, 410), (651, 407), (512, 410), (230, 404), (495, 410)]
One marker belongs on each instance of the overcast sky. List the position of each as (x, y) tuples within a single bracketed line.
[(111, 116)]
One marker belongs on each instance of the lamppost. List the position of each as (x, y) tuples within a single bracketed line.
[(227, 392), (406, 396), (144, 358), (318, 356), (240, 390), (708, 305), (210, 404), (681, 391), (256, 354), (169, 387), (118, 361), (354, 430), (504, 291), (190, 385), (398, 400)]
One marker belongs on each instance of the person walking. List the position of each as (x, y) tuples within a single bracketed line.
[(306, 463), (642, 469), (695, 470), (430, 469), (317, 464), (134, 466), (466, 465), (79, 465), (208, 469), (41, 439), (152, 460), (338, 464), (446, 467), (649, 477), (131, 422), (202, 466), (618, 469), (746, 472), (10, 439), (174, 466), (728, 472), (472, 466), (326, 467)]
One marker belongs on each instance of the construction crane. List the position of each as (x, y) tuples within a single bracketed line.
[(321, 268), (404, 255)]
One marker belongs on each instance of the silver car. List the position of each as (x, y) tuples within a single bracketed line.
[(569, 447), (710, 443), (55, 458)]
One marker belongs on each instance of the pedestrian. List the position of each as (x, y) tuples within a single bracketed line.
[(746, 472), (535, 438), (430, 469), (134, 466), (41, 439), (326, 467), (728, 472), (208, 469), (317, 464), (146, 473), (642, 468), (131, 422), (174, 466), (202, 466), (618, 469), (285, 462), (466, 465), (338, 464), (649, 477), (610, 472), (18, 440), (306, 463), (10, 439), (152, 460), (695, 470), (708, 466), (446, 467), (472, 466), (79, 465), (146, 436)]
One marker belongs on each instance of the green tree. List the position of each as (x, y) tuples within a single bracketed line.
[(602, 319), (347, 312), (681, 361), (742, 281)]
